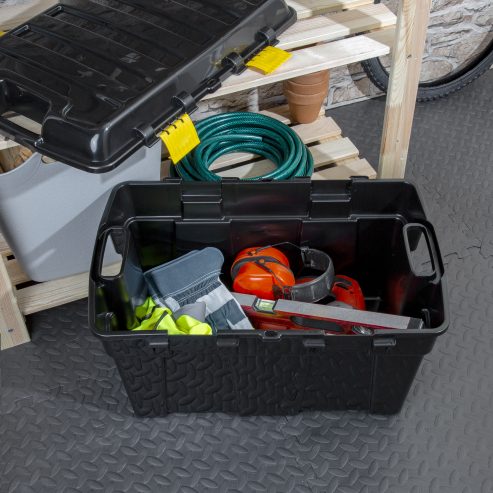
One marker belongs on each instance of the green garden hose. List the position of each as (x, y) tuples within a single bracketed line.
[(246, 132)]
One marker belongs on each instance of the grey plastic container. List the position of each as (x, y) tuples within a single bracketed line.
[(49, 213)]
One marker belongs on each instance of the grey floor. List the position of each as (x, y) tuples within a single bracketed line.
[(65, 423)]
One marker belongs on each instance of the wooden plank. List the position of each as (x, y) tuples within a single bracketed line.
[(344, 171), (309, 8), (49, 294), (16, 273), (280, 113), (13, 15), (313, 132), (27, 123), (4, 247), (13, 157), (13, 329), (328, 28), (5, 143), (24, 122), (385, 36), (165, 169), (412, 23), (323, 154), (333, 151), (309, 60)]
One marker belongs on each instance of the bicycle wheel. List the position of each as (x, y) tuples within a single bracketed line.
[(440, 85)]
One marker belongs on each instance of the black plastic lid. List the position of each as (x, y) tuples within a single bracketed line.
[(105, 77)]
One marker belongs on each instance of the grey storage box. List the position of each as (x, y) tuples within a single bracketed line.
[(49, 213)]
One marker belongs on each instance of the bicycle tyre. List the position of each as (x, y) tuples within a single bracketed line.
[(438, 88)]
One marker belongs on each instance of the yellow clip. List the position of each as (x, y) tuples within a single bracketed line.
[(269, 59), (2, 33), (180, 138)]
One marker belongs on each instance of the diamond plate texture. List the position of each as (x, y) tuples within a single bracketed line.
[(262, 378), (66, 424)]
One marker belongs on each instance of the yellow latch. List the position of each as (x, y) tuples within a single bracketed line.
[(180, 138), (269, 59)]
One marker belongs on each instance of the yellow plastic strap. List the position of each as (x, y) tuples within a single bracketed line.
[(269, 59), (180, 138), (2, 33)]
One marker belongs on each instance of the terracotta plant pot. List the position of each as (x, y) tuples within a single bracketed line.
[(311, 79), (306, 95)]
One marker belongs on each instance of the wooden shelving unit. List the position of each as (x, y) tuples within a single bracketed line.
[(328, 34)]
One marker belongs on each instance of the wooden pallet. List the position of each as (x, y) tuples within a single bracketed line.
[(335, 156)]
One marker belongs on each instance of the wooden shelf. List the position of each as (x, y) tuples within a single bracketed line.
[(367, 31), (310, 60), (324, 28)]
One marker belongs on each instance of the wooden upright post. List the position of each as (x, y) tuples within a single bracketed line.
[(13, 329), (412, 26)]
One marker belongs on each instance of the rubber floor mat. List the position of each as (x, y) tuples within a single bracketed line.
[(66, 425)]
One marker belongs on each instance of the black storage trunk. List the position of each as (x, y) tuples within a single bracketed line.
[(104, 77), (371, 229)]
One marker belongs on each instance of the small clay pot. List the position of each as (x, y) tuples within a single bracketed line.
[(313, 78), (310, 79), (303, 99), (308, 89), (306, 95)]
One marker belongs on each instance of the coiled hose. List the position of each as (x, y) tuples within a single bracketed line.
[(246, 132)]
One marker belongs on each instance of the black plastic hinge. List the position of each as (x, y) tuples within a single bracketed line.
[(186, 101), (267, 35), (384, 342), (146, 134), (212, 85), (236, 62)]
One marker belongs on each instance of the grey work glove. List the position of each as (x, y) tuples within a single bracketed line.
[(193, 278)]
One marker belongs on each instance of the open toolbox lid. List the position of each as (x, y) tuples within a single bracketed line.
[(105, 77)]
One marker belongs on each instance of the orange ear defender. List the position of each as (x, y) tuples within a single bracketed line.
[(348, 291), (265, 272)]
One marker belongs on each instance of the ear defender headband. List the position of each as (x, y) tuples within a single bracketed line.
[(265, 272)]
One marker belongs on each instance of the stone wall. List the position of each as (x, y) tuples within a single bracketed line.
[(457, 28)]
